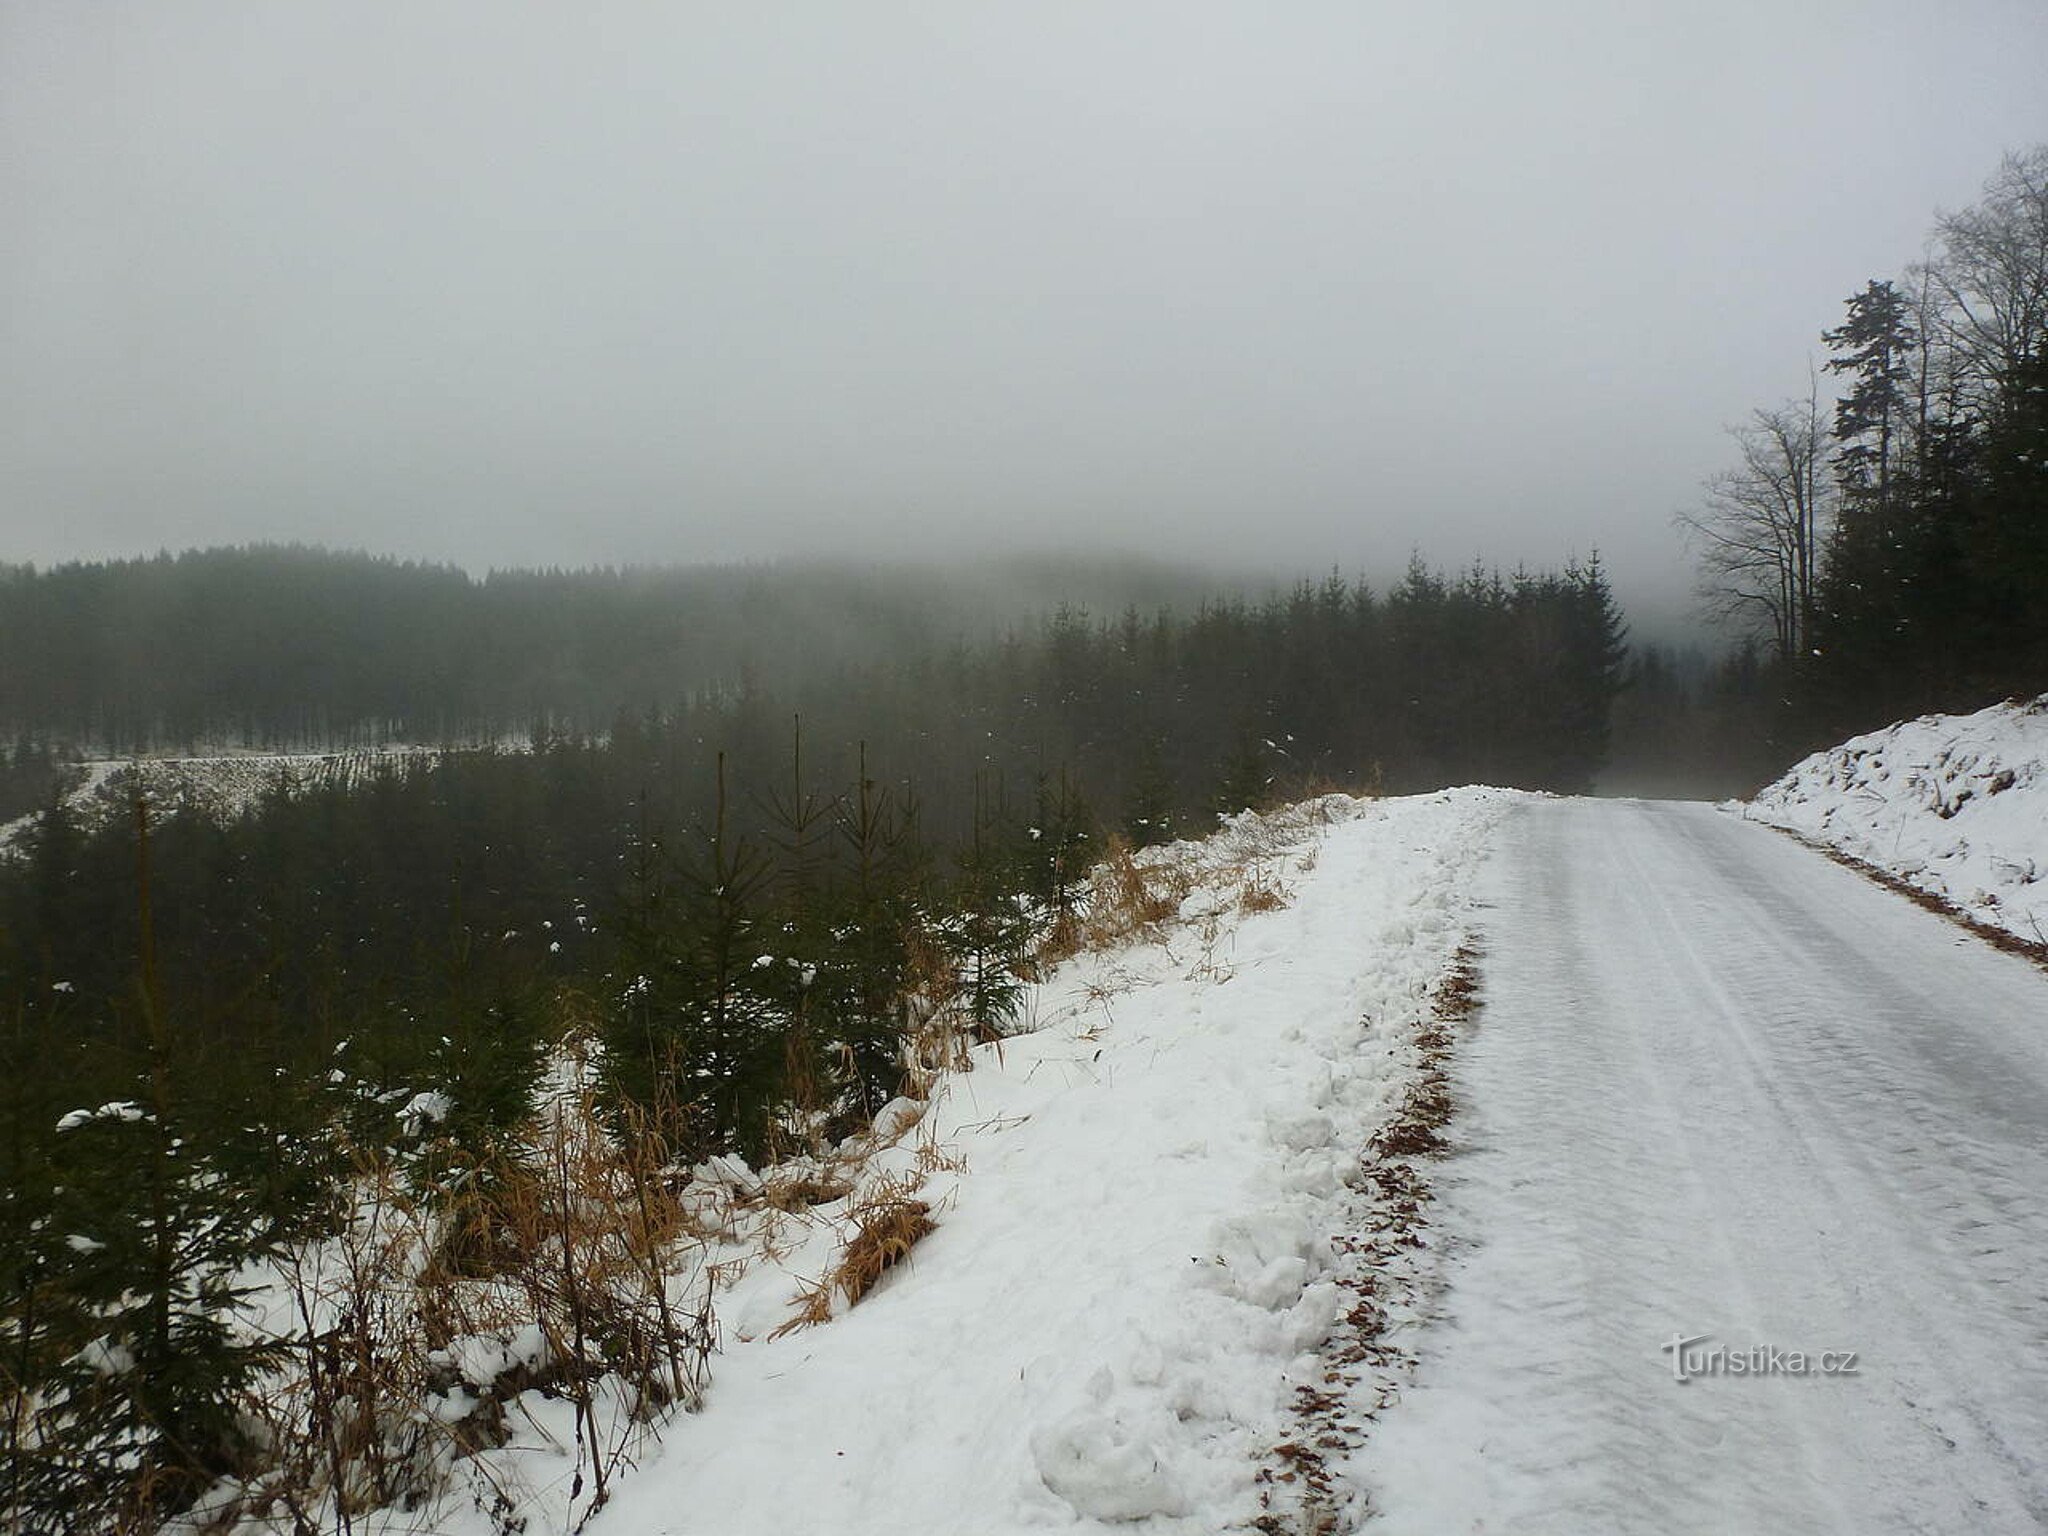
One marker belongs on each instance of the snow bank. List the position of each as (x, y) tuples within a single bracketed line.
[(1131, 1266), (1955, 805)]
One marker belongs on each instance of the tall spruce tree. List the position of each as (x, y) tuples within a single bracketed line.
[(1875, 346)]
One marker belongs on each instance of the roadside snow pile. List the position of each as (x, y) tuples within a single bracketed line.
[(1955, 805), (1129, 1265)]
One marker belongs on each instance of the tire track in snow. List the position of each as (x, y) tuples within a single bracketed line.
[(1724, 1087)]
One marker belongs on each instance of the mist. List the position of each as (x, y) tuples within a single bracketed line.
[(649, 284)]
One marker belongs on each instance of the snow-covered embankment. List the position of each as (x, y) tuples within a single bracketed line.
[(1131, 1269), (1953, 805)]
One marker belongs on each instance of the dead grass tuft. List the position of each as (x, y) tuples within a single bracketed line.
[(888, 1222), (559, 1261), (1065, 938), (932, 1158), (794, 1193), (813, 1309), (937, 1040), (1259, 892), (1128, 897), (889, 1227)]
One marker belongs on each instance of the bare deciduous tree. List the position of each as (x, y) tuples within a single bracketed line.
[(1991, 272), (1760, 531)]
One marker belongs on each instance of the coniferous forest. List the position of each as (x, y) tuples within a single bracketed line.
[(290, 647), (744, 889), (329, 899), (1885, 553)]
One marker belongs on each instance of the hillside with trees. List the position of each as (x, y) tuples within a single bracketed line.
[(1889, 556), (746, 901), (295, 647)]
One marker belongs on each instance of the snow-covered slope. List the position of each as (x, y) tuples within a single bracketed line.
[(1144, 1211), (1956, 805), (1131, 1266)]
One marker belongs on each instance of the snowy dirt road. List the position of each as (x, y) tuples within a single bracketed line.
[(1724, 1089)]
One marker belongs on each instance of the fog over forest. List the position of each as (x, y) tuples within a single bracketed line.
[(1195, 282)]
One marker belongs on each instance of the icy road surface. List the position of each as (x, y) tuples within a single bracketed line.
[(1721, 1087)]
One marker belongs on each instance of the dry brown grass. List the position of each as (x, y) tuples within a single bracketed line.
[(888, 1221), (813, 1309), (932, 1158), (935, 1047), (889, 1227), (1260, 892), (1130, 898), (566, 1232), (1065, 938), (937, 1040), (1210, 964)]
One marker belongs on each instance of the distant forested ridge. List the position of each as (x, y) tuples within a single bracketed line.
[(273, 646), (1439, 680), (433, 884), (343, 894)]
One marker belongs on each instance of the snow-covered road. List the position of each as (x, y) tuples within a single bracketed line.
[(1721, 1087)]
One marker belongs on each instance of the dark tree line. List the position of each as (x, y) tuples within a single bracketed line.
[(470, 881), (748, 901), (1892, 556), (1152, 722), (287, 646), (30, 775)]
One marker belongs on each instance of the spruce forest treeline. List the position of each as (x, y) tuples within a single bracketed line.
[(420, 881), (757, 910), (285, 646), (1889, 555), (1143, 726)]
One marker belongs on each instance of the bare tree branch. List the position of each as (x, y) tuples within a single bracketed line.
[(1759, 532)]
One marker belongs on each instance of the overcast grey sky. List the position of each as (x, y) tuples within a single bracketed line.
[(1303, 284)]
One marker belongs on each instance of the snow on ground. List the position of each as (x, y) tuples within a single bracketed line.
[(1131, 1266), (1129, 1273), (1724, 1091), (220, 785), (1956, 805)]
